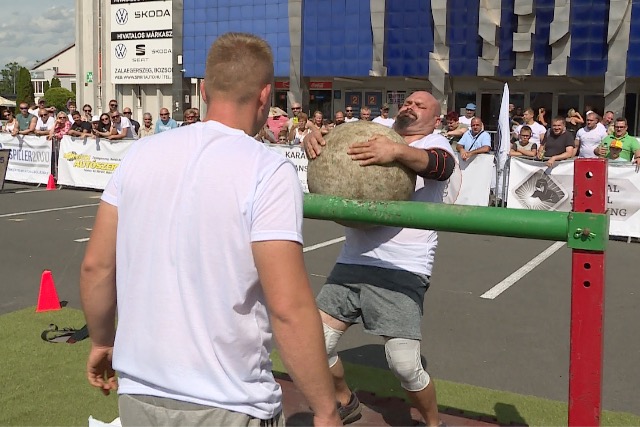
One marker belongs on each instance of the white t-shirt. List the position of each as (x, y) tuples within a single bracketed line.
[(352, 119), (40, 125), (388, 122), (536, 130), (394, 247), (589, 140), (466, 121), (192, 320), (126, 123)]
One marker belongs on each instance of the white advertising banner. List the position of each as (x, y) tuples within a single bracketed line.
[(297, 156), (533, 186), (29, 159), (475, 180), (89, 163), (141, 41)]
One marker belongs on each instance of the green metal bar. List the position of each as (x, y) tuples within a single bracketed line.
[(527, 224)]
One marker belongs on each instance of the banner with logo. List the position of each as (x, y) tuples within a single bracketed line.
[(533, 186), (89, 163), (141, 42), (29, 158)]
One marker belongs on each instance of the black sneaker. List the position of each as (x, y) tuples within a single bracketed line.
[(351, 411)]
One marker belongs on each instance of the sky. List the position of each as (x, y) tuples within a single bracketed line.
[(32, 30)]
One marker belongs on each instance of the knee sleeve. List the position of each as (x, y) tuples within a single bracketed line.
[(403, 356), (331, 338)]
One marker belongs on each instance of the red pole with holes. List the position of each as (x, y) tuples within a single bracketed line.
[(587, 302)]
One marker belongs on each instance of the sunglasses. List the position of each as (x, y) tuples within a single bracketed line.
[(349, 111), (113, 105), (44, 115), (191, 117), (164, 114), (115, 116), (87, 111), (61, 117), (296, 108), (24, 108), (105, 119), (127, 112)]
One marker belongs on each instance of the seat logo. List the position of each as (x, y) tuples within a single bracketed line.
[(122, 16), (121, 51)]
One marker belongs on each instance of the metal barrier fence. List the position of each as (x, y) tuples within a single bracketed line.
[(586, 231)]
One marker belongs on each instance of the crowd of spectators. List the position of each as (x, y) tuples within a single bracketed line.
[(42, 120)]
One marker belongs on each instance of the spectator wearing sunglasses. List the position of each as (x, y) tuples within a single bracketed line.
[(349, 115), (166, 122), (103, 126), (86, 113), (126, 112), (26, 121), (12, 124), (45, 123), (189, 117), (113, 106), (61, 126), (121, 127)]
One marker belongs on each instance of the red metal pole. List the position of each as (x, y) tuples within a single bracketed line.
[(587, 302)]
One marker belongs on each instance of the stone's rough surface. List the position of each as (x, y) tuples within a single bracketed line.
[(334, 173)]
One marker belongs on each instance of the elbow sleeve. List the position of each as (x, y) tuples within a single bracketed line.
[(441, 165)]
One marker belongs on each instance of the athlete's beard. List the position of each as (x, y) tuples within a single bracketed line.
[(404, 120)]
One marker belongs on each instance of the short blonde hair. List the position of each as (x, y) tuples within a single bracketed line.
[(239, 65)]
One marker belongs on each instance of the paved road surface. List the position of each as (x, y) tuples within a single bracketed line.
[(518, 341)]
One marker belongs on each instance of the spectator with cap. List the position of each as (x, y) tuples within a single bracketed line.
[(469, 114), (615, 148), (79, 127), (126, 112), (147, 128), (384, 118), (277, 120), (166, 122)]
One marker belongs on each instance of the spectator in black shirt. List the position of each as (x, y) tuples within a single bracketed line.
[(558, 144), (79, 127)]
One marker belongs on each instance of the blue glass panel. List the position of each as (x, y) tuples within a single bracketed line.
[(588, 26), (408, 37), (462, 37)]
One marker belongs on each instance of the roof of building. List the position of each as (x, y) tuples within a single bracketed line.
[(58, 53)]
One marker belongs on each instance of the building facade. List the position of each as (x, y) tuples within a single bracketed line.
[(328, 54), (61, 64)]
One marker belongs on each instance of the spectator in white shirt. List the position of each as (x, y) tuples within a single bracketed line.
[(121, 127), (349, 115), (537, 130), (470, 113), (589, 137), (45, 122), (384, 118)]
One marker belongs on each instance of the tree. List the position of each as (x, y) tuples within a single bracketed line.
[(55, 82), (24, 87), (9, 77), (45, 86), (58, 97)]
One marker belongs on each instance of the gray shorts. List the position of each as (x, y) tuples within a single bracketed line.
[(387, 302), (143, 410)]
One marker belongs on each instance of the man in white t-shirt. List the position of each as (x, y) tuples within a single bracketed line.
[(537, 130), (45, 122), (348, 115), (121, 127), (384, 118), (469, 113), (197, 292), (382, 273), (590, 136)]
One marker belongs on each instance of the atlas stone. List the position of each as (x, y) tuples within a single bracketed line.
[(333, 173)]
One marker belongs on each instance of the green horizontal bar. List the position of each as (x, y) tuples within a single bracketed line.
[(529, 224)]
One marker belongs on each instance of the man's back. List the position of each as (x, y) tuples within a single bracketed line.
[(185, 266)]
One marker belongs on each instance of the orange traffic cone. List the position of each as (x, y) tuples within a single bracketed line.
[(51, 185), (48, 297)]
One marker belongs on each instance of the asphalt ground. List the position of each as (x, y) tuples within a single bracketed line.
[(518, 341)]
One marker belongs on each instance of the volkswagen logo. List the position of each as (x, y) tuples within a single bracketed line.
[(122, 16), (121, 51)]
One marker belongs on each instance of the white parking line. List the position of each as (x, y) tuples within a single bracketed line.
[(522, 271), (323, 244), (86, 239), (46, 210), (30, 191)]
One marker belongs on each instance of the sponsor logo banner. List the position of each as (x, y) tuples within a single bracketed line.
[(533, 186), (29, 158), (141, 42), (89, 163)]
